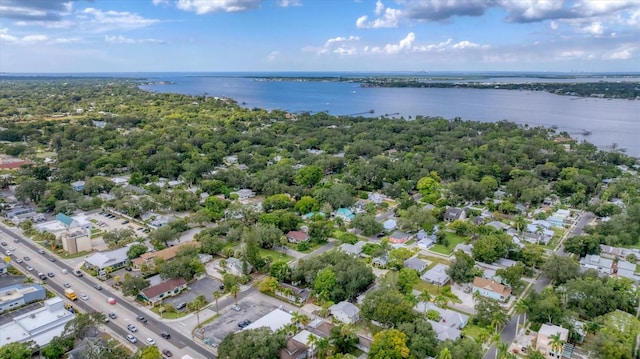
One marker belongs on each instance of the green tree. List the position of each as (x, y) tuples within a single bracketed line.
[(387, 306), (560, 269), (324, 283), (421, 338), (389, 344), (277, 201), (132, 285), (429, 188), (16, 350), (444, 354), (136, 250), (258, 343), (489, 248), (31, 190), (281, 271), (556, 343), (309, 176), (344, 338), (196, 305), (148, 352), (367, 224), (461, 269), (307, 204)]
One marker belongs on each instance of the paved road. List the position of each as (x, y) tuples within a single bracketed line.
[(127, 312)]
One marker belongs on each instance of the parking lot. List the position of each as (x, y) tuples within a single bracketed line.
[(252, 308), (110, 221), (205, 286)]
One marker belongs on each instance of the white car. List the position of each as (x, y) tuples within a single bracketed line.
[(84, 296), (150, 341), (19, 260), (29, 268)]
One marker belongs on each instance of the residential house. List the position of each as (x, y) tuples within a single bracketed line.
[(390, 224), (39, 325), (491, 289), (244, 194), (115, 259), (381, 261), (166, 254), (424, 240), (169, 288), (353, 249), (466, 248), (498, 225), (77, 186), (437, 275), (292, 293), (556, 221), (454, 213), (398, 237), (594, 261), (297, 237), (120, 181), (236, 266), (417, 264), (296, 346), (345, 312), (445, 332), (345, 214), (627, 270), (448, 317), (375, 197), (17, 295), (544, 340)]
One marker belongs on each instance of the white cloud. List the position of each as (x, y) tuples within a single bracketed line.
[(101, 21), (379, 8), (273, 55), (160, 2), (405, 44), (62, 24), (119, 39), (594, 28), (201, 7), (466, 45), (66, 40), (620, 54), (337, 45), (25, 40), (288, 3), (389, 18)]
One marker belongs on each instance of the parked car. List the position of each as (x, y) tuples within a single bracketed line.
[(132, 328), (244, 323), (131, 338), (167, 353)]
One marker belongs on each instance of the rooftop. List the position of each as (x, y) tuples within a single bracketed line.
[(275, 320)]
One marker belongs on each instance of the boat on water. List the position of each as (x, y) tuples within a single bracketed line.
[(586, 132), (555, 127)]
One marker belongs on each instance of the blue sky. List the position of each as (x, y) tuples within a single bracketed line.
[(319, 35)]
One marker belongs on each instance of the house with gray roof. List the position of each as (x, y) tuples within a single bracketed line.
[(437, 275), (444, 332), (415, 263), (448, 317), (353, 249), (390, 224), (594, 261), (454, 213), (235, 266), (115, 259), (628, 270), (498, 225), (345, 312)]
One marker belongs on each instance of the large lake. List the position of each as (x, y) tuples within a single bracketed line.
[(610, 121)]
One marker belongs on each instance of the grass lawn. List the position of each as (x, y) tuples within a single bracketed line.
[(454, 240), (472, 331), (65, 255), (170, 315), (433, 289), (276, 255)]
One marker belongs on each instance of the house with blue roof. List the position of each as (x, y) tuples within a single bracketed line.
[(80, 222), (345, 214)]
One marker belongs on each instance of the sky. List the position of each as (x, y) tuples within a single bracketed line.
[(49, 36)]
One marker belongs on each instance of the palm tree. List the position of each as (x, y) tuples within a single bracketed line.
[(324, 348), (444, 354), (424, 296), (498, 320), (216, 296), (536, 355), (483, 336), (521, 308), (520, 222), (556, 343), (592, 327), (297, 319), (502, 350), (234, 290), (441, 301), (312, 341), (196, 305)]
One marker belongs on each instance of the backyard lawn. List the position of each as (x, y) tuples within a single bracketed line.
[(454, 240)]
